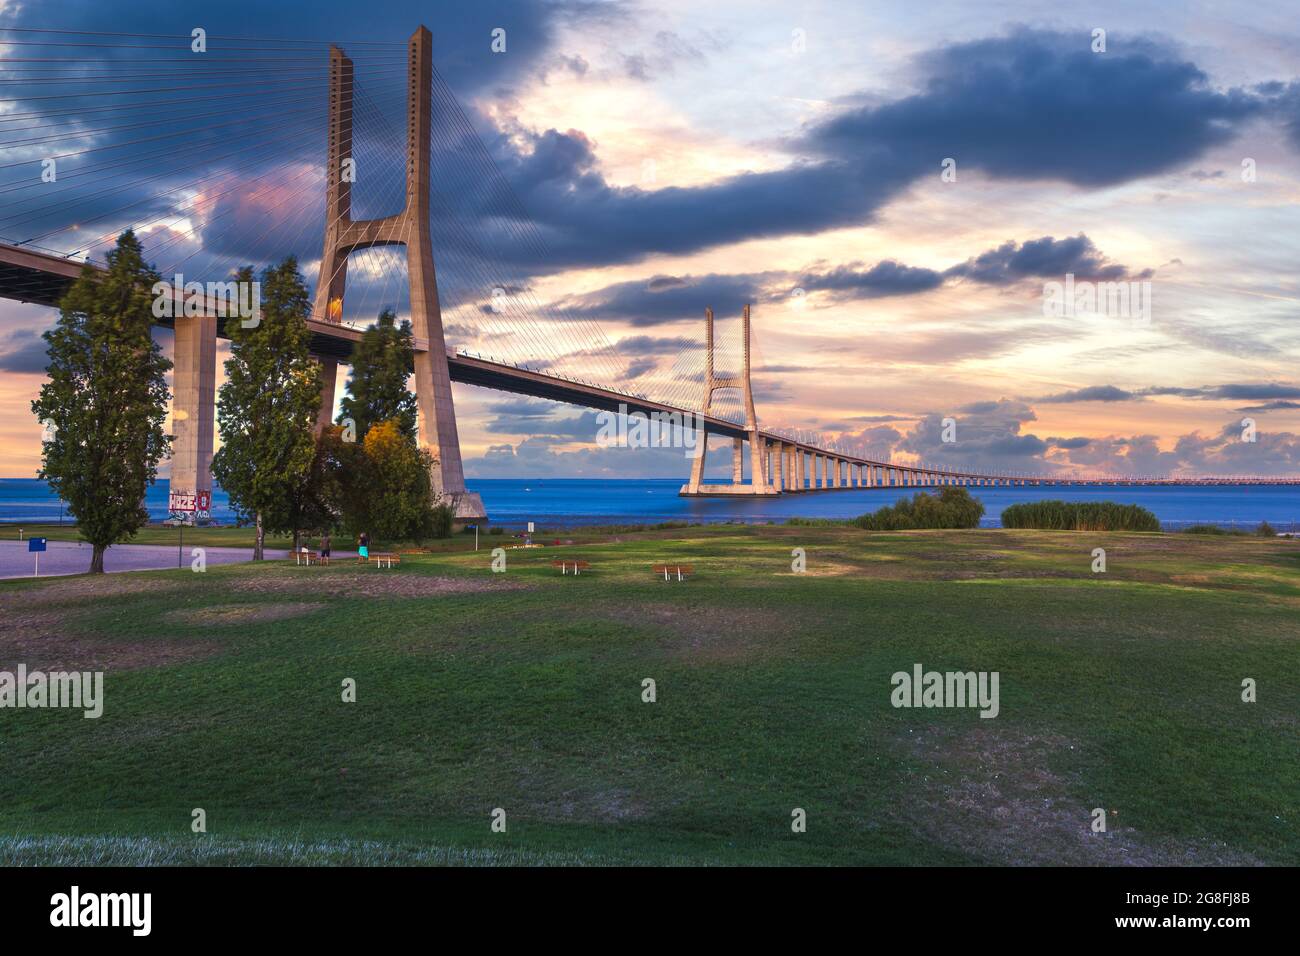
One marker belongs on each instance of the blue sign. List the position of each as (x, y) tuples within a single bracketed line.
[(35, 544)]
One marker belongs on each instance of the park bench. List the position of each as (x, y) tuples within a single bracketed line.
[(306, 556), (566, 563), (385, 559), (683, 571)]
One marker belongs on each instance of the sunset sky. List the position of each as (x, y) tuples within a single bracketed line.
[(673, 155)]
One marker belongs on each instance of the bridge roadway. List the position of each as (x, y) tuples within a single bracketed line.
[(30, 275)]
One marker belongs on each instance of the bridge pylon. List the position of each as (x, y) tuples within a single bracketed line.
[(409, 228), (760, 468)]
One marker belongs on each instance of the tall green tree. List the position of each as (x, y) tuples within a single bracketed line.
[(267, 408), (381, 364), (106, 400)]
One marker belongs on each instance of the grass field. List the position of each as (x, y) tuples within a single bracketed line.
[(523, 691)]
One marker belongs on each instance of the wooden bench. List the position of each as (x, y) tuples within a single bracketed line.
[(385, 559), (565, 564), (683, 571), (306, 556)]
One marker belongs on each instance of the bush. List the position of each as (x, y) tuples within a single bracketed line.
[(1266, 530), (440, 521), (1079, 516), (952, 508)]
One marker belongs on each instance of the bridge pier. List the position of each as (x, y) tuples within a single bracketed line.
[(408, 228), (194, 390)]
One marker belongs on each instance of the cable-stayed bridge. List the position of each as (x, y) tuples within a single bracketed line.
[(226, 151)]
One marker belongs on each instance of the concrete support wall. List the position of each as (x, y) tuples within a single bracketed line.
[(737, 460), (194, 383)]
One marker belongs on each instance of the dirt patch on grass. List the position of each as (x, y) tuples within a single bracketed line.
[(91, 587), (367, 582), (43, 641), (1007, 797), (707, 634), (225, 614)]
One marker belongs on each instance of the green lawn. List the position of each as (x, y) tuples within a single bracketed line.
[(523, 691)]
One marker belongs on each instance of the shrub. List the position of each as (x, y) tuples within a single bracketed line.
[(952, 508), (440, 520), (1079, 516), (1266, 530)]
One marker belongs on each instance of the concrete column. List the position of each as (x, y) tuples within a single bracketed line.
[(757, 472), (697, 466), (737, 461), (329, 375), (194, 383), (835, 474), (778, 476), (805, 466)]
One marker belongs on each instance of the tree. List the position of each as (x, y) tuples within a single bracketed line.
[(383, 486), (402, 497), (267, 408), (381, 364), (106, 400)]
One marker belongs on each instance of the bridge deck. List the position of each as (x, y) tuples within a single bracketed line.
[(30, 275)]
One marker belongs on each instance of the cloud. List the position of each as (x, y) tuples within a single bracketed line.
[(1093, 393), (1008, 106), (884, 278), (1037, 105), (665, 298), (1270, 406), (23, 351), (1041, 258), (1237, 391)]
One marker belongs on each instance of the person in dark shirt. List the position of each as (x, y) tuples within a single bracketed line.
[(325, 545), (363, 545)]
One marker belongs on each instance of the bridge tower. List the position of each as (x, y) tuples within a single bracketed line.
[(760, 483), (408, 228)]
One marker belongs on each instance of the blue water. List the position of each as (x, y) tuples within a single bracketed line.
[(573, 501)]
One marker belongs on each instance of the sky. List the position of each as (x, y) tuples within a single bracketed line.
[(899, 190)]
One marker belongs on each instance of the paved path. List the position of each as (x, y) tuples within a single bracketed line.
[(71, 557)]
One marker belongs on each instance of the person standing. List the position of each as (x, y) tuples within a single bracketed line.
[(363, 546), (325, 547)]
